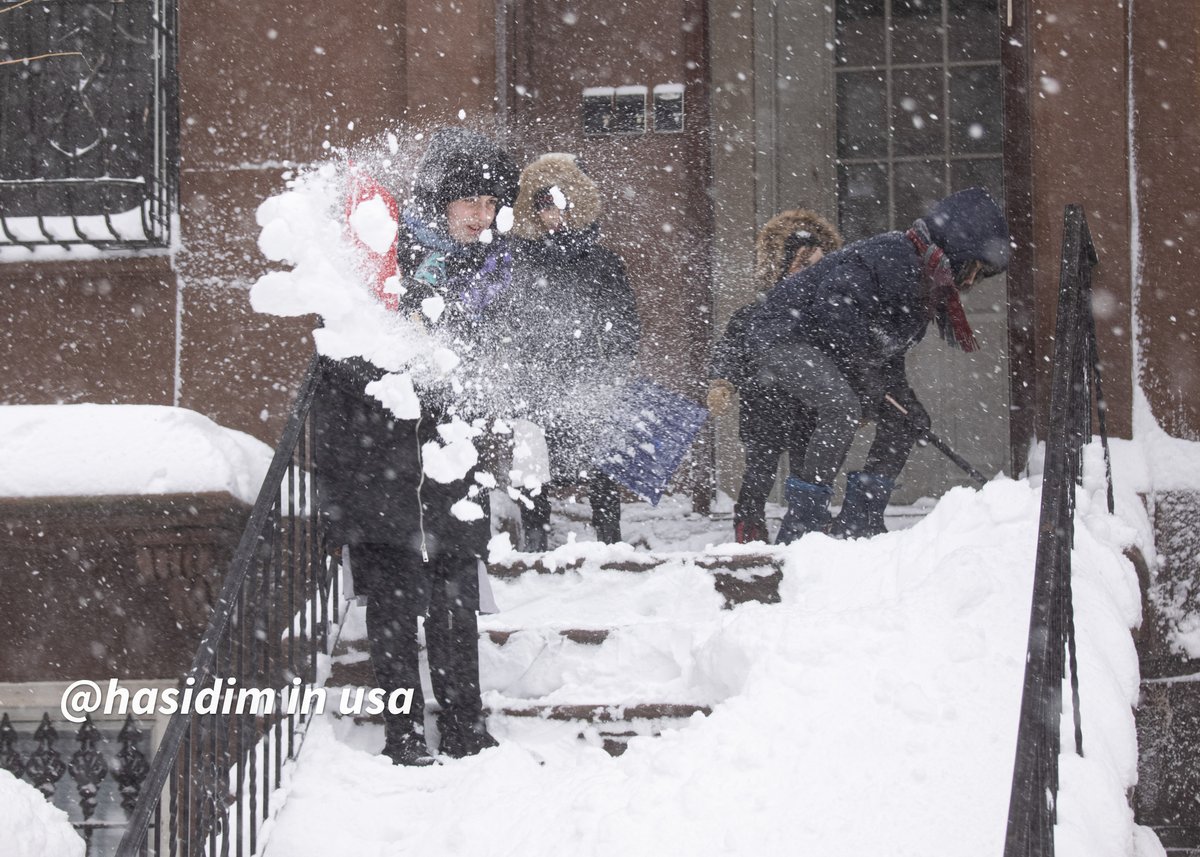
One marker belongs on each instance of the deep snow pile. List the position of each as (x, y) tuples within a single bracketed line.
[(873, 711), (78, 450), (31, 827)]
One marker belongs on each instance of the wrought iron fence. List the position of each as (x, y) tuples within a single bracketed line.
[(88, 122), (211, 783), (107, 783), (1032, 808)]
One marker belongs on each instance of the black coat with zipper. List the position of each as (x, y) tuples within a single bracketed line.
[(371, 486), (571, 313)]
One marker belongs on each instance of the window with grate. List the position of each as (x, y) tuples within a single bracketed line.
[(87, 122), (919, 107)]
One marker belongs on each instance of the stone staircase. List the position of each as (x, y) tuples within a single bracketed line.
[(513, 646)]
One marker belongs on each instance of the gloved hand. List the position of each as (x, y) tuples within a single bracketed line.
[(720, 396), (906, 402)]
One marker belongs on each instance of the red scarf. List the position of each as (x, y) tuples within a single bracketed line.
[(943, 302)]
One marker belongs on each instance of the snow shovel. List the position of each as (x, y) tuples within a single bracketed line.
[(650, 433), (937, 443)]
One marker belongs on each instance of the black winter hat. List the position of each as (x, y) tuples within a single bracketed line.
[(970, 226), (459, 164)]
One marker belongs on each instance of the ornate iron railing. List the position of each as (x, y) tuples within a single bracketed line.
[(211, 783), (88, 122), (107, 783), (1051, 652)]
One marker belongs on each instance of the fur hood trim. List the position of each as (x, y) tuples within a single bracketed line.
[(771, 246), (560, 170)]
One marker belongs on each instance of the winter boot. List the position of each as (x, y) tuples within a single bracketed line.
[(463, 734), (808, 509), (404, 746), (746, 530), (867, 496), (608, 532)]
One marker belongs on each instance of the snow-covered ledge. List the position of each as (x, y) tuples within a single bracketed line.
[(117, 526), (121, 450)]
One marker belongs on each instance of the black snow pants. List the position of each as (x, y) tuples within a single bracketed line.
[(446, 590), (603, 493)]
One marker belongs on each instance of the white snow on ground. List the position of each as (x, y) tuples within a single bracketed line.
[(31, 827), (1156, 463), (79, 450), (873, 711)]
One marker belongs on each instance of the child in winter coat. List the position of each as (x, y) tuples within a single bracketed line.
[(835, 336), (410, 555), (574, 317), (769, 421)]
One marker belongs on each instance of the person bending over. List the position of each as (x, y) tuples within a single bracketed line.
[(769, 421), (835, 337)]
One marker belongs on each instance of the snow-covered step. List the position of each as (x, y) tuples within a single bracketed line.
[(609, 726), (612, 726), (739, 577), (594, 713), (351, 664), (583, 636), (590, 625), (602, 713)]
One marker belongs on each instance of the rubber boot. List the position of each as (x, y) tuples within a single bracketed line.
[(808, 509), (403, 744), (746, 530), (867, 496), (463, 734)]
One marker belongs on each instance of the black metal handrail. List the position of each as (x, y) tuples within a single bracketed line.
[(211, 782), (1032, 808)]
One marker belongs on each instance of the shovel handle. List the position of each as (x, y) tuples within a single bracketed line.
[(941, 445)]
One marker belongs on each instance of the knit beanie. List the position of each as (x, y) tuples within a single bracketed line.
[(459, 164)]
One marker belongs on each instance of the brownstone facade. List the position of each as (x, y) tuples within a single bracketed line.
[(141, 574), (265, 86)]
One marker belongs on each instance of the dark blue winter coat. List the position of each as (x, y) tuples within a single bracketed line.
[(867, 304)]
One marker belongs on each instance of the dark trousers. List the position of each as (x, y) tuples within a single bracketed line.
[(400, 587), (895, 436), (769, 424), (809, 376), (837, 406), (603, 493)]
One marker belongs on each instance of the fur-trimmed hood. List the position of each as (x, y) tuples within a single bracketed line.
[(771, 248), (556, 170)]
